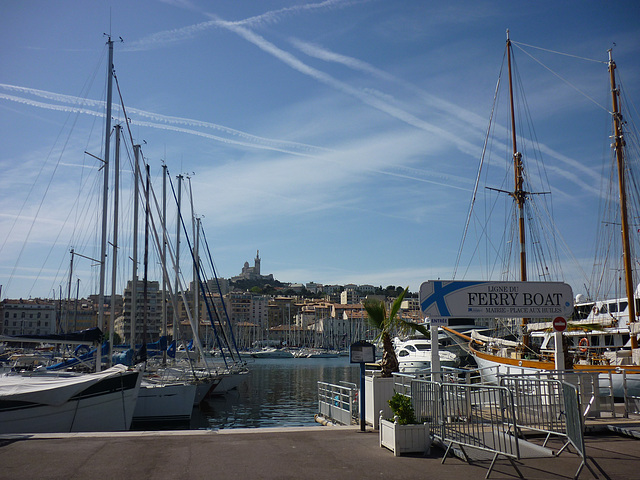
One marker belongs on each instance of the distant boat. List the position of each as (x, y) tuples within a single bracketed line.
[(319, 353), (272, 353), (68, 402)]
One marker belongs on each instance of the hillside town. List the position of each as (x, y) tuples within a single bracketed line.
[(261, 311)]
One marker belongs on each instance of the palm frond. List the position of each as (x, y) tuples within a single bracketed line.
[(406, 326), (396, 305)]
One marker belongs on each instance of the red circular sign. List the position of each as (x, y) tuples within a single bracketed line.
[(559, 324)]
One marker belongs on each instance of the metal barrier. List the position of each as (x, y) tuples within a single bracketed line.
[(595, 390), (476, 416), (575, 425), (337, 402), (426, 400), (402, 381), (539, 405), (491, 418)]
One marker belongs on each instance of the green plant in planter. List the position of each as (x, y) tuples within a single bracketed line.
[(401, 407)]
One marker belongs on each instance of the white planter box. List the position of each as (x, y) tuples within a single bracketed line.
[(378, 391), (405, 438)]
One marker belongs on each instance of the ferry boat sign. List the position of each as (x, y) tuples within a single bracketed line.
[(480, 299)]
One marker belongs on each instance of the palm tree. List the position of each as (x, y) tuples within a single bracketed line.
[(387, 324)]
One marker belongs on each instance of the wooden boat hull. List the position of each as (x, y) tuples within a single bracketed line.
[(493, 365)]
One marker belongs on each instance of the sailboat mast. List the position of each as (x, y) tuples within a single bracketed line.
[(105, 197), (519, 195), (66, 310), (164, 259), (114, 261), (134, 281), (145, 283), (195, 224), (176, 319), (618, 143)]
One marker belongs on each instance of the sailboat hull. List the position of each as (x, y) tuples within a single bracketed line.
[(228, 382), (165, 402), (105, 405)]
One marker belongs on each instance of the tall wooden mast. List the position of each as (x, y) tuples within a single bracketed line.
[(618, 143), (518, 194)]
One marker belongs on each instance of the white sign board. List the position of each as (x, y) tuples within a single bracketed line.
[(362, 352), (480, 299)]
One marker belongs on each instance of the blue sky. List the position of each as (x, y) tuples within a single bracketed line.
[(340, 138)]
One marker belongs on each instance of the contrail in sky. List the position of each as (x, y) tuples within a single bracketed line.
[(271, 17), (77, 105), (466, 116), (327, 79), (289, 59)]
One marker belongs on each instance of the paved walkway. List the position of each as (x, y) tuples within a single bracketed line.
[(332, 453)]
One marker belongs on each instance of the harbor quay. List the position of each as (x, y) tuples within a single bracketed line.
[(322, 452)]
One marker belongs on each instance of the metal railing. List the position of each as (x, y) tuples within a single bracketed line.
[(338, 402)]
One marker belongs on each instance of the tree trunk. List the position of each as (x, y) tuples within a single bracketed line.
[(389, 364)]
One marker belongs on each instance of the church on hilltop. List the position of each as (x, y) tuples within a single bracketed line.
[(252, 273)]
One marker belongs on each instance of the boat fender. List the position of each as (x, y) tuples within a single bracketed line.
[(583, 344)]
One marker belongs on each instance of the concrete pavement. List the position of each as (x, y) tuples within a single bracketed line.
[(331, 453)]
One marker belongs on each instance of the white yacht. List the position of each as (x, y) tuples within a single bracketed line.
[(414, 354)]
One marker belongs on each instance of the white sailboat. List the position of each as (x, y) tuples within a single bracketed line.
[(47, 403), (51, 401)]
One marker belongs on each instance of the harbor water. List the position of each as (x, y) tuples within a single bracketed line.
[(277, 393)]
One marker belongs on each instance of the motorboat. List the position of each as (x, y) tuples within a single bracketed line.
[(414, 354), (272, 353)]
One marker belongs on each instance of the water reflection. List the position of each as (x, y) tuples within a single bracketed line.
[(277, 393)]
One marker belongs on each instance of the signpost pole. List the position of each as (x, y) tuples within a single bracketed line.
[(559, 326), (559, 356), (362, 353), (362, 403), (435, 354)]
